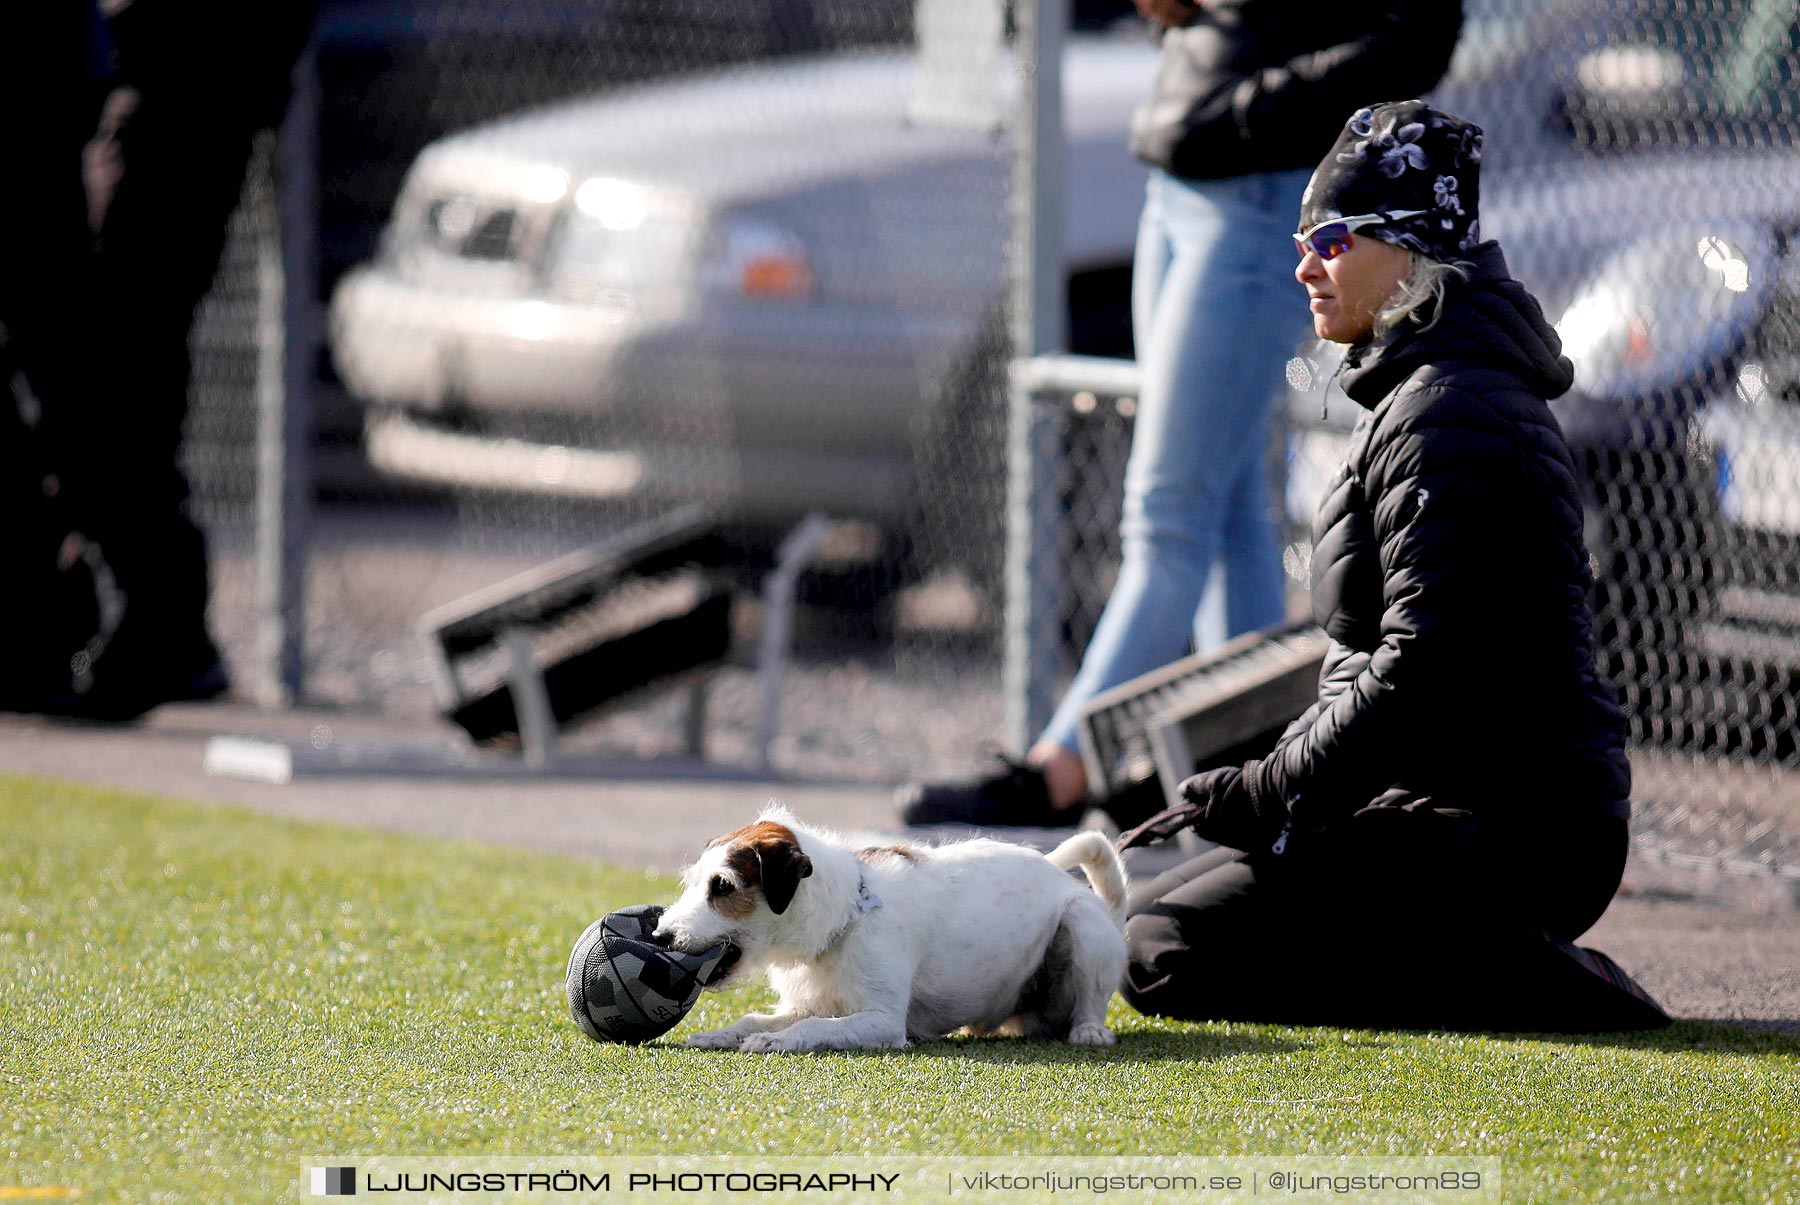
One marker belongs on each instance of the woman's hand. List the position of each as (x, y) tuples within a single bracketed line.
[(1221, 805), (1160, 827), (1168, 13), (1213, 805)]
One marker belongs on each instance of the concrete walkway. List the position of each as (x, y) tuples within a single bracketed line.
[(1727, 951)]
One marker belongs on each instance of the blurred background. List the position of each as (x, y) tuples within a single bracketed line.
[(543, 270)]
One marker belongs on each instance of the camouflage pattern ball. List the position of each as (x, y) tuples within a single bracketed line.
[(624, 987)]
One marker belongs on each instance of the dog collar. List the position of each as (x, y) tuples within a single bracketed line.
[(866, 902)]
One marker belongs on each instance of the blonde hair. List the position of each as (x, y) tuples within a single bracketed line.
[(1420, 295)]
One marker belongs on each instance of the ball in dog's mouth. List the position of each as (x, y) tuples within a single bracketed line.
[(733, 954)]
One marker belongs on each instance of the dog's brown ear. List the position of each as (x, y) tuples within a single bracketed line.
[(783, 866)]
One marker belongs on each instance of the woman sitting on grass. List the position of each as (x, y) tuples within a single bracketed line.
[(1426, 841)]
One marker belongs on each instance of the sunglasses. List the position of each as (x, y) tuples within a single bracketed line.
[(1330, 239)]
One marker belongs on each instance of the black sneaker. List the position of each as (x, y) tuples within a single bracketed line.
[(1013, 796)]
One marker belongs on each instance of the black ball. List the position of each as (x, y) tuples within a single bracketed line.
[(625, 987)]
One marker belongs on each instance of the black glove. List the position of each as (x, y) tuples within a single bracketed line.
[(1224, 806), (1160, 827)]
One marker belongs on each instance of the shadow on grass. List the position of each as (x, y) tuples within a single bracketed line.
[(1205, 1045), (1136, 1048), (1709, 1036), (1697, 1035)]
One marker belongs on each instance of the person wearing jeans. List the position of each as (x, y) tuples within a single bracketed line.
[(1196, 487), (1248, 95)]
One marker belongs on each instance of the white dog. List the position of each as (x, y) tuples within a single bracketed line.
[(869, 947)]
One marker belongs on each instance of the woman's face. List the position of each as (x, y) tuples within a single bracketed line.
[(1345, 293)]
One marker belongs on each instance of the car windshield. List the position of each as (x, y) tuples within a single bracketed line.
[(1672, 73), (1759, 65)]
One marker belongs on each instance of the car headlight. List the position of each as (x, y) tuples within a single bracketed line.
[(750, 257), (1664, 308), (622, 243), (617, 205)]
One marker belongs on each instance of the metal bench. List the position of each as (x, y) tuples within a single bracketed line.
[(644, 612), (1214, 708)]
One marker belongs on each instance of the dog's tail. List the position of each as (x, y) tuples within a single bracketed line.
[(1100, 863)]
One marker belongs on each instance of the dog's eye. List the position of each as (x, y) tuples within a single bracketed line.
[(720, 887)]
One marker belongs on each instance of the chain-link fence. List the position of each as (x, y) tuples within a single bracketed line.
[(582, 260)]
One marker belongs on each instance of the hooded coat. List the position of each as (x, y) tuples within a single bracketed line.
[(1449, 572)]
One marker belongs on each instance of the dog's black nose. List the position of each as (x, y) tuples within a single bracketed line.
[(665, 940)]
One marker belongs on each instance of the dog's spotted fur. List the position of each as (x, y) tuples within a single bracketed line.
[(876, 853), (762, 832)]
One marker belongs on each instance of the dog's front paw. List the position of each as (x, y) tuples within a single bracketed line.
[(715, 1039), (772, 1043), (1091, 1034)]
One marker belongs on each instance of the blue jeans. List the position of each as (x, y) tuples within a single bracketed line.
[(1216, 313)]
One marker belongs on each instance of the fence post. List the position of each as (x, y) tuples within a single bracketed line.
[(1032, 548), (287, 339)]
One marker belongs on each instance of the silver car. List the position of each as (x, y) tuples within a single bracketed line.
[(763, 287)]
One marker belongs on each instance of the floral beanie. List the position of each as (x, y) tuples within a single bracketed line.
[(1401, 156)]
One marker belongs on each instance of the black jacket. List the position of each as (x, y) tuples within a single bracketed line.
[(1265, 85), (1449, 572)]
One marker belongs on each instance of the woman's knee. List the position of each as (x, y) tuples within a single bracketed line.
[(1194, 951), (1175, 539), (1159, 975)]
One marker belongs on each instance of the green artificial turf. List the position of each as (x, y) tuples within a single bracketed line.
[(196, 998)]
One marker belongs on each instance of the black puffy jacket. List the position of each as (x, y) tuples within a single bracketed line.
[(1265, 85), (1449, 572)]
